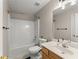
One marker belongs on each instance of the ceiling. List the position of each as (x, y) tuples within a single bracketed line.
[(26, 6)]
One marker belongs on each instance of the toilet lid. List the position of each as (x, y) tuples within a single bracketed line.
[(34, 49)]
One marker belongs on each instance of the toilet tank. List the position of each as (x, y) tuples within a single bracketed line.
[(42, 40)]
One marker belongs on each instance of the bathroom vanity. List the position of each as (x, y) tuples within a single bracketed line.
[(50, 50), (47, 54)]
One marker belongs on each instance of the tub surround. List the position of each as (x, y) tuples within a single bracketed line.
[(63, 53)]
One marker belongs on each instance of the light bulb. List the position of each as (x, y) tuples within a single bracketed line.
[(63, 7)]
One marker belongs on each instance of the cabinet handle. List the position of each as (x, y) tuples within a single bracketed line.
[(76, 36)]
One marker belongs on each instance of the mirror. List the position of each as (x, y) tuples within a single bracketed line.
[(65, 23)]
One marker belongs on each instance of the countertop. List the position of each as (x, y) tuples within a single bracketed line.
[(72, 53)]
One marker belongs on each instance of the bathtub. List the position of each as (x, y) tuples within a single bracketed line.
[(20, 52)]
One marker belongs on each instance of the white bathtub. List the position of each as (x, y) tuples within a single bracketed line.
[(20, 52)]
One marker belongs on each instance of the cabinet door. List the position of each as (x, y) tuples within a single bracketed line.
[(44, 56), (53, 55), (44, 50)]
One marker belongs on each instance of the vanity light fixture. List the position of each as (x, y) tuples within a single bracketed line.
[(63, 3)]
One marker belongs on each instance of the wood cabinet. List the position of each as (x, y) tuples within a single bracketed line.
[(47, 54), (44, 56)]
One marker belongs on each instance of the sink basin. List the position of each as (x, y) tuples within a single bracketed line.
[(64, 50), (60, 48), (51, 44), (73, 44)]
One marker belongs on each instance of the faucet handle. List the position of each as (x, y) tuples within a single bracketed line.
[(58, 40)]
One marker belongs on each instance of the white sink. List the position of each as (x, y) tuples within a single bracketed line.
[(60, 48), (51, 44), (73, 44), (63, 50)]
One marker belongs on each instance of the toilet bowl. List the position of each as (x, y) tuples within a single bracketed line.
[(35, 50)]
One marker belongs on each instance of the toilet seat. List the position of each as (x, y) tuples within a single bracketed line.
[(34, 49)]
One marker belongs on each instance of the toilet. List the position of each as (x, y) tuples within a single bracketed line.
[(35, 50)]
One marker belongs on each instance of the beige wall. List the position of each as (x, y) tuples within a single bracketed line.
[(46, 17), (63, 20), (22, 16)]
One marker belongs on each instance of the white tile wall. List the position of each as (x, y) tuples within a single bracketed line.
[(21, 35)]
